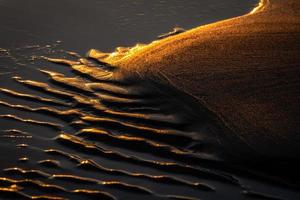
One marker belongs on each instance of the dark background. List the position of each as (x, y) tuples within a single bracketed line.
[(105, 24)]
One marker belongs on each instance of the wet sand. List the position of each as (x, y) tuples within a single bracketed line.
[(82, 25), (83, 129)]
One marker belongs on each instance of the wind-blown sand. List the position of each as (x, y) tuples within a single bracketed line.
[(186, 117), (245, 70)]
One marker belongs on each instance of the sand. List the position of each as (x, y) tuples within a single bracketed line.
[(245, 70), (207, 114)]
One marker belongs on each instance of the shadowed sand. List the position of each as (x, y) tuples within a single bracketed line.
[(245, 70), (161, 121)]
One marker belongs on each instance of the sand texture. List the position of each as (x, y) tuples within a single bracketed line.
[(245, 70), (208, 114)]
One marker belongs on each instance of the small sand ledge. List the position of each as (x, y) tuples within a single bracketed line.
[(260, 7)]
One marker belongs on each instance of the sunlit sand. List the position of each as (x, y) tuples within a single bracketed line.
[(243, 69), (207, 113)]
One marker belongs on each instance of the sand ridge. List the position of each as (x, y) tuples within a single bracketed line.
[(168, 127), (245, 70)]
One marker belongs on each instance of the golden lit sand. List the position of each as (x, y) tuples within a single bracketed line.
[(83, 129), (245, 70)]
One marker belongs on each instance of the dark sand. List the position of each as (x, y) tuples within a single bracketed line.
[(83, 129), (103, 24)]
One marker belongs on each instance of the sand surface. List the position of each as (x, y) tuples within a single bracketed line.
[(207, 114), (245, 70)]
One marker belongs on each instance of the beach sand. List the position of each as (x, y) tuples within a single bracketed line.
[(210, 113), (245, 70)]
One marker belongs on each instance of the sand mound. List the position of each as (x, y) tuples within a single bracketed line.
[(245, 70), (164, 124)]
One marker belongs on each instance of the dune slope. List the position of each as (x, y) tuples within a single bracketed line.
[(165, 124), (245, 70)]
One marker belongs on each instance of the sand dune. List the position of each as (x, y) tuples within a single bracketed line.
[(245, 70), (161, 121)]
